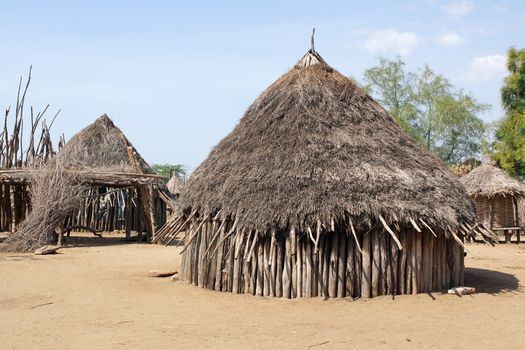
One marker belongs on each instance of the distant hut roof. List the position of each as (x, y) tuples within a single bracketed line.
[(314, 146), (489, 180), (175, 184), (104, 147)]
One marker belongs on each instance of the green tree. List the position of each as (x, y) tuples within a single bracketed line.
[(513, 90), (441, 118), (393, 88), (167, 169), (509, 146)]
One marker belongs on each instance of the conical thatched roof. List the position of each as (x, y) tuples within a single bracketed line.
[(314, 146), (175, 185), (489, 180), (104, 147)]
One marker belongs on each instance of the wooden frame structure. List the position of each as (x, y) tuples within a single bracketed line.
[(497, 197), (147, 214), (99, 157), (338, 265), (318, 192)]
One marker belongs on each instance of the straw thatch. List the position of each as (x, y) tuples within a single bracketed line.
[(175, 185), (497, 196), (104, 147), (98, 156), (318, 192), (489, 180), (314, 146)]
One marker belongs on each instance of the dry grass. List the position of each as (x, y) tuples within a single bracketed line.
[(315, 147), (488, 180), (55, 194)]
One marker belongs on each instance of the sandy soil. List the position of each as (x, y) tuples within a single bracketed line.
[(99, 297)]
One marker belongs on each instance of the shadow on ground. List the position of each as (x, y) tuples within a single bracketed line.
[(83, 241), (491, 282)]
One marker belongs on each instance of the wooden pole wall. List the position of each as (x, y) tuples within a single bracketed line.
[(286, 264)]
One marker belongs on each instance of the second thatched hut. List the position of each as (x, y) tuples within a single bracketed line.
[(318, 192), (498, 197)]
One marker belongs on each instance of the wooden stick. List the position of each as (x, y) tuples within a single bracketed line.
[(355, 235), (427, 226), (260, 269), (293, 255), (341, 270), (254, 242), (366, 280), (391, 232), (247, 245), (456, 238), (351, 276), (415, 225), (215, 235), (239, 243), (196, 232), (272, 247)]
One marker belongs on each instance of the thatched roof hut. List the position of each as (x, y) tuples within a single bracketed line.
[(495, 194), (98, 181), (175, 185), (318, 192), (104, 147)]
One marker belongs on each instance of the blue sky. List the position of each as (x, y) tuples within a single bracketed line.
[(176, 76)]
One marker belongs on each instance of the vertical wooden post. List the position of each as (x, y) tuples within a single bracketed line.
[(461, 264), (366, 278), (293, 262), (435, 264), (320, 266), (490, 215), (394, 268), (201, 247), (303, 252), (254, 270), (287, 273), (427, 251), (146, 201), (219, 254), (383, 258), (350, 267), (414, 262), (309, 268), (341, 271), (266, 268), (401, 284), (299, 264), (334, 264), (376, 261), (128, 211), (236, 264), (280, 253), (456, 261), (419, 257), (517, 222), (328, 238)]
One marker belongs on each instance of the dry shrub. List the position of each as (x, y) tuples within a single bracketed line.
[(55, 194)]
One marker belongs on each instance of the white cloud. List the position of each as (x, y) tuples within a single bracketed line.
[(391, 40), (451, 39), (487, 68), (500, 8), (459, 8)]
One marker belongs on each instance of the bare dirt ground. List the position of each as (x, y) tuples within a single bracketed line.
[(99, 297)]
